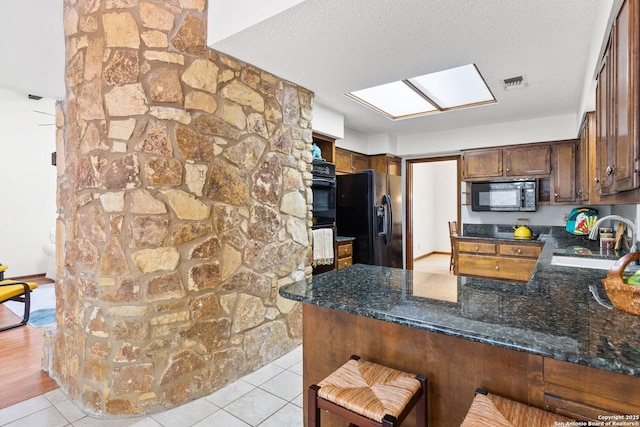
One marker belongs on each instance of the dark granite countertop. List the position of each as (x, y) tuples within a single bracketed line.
[(341, 239), (554, 315)]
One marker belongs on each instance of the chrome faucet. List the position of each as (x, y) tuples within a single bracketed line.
[(593, 235)]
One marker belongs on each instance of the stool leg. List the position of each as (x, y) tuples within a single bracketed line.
[(388, 421), (422, 410), (313, 413)]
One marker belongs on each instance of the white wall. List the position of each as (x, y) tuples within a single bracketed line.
[(28, 182), (434, 205), (327, 121), (384, 143), (354, 141), (599, 29), (545, 215), (631, 212), (520, 132), (32, 48), (229, 17)]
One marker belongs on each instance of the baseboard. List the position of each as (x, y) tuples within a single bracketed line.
[(40, 279), (431, 253)]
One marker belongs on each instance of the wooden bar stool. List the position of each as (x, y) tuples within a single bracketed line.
[(368, 395), (492, 410)]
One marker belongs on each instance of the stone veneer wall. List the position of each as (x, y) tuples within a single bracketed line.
[(184, 203)]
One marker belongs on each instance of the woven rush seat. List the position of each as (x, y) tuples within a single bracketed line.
[(366, 394), (492, 410)]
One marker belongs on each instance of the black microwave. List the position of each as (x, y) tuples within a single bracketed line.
[(505, 196)]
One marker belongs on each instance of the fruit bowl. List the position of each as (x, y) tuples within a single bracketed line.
[(623, 296)]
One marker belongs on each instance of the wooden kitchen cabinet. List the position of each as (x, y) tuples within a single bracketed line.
[(359, 162), (344, 254), (582, 392), (522, 161), (585, 165), (456, 367), (386, 163), (527, 160), (327, 146), (343, 161), (496, 259), (603, 181), (482, 164), (563, 174), (350, 162), (617, 105)]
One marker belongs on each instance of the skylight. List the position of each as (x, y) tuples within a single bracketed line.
[(455, 88)]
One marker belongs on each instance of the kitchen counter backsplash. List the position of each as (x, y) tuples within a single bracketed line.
[(505, 231)]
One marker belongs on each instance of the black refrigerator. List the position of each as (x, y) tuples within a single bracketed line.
[(369, 208)]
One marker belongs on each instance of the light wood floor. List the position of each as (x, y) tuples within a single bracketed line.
[(20, 361)]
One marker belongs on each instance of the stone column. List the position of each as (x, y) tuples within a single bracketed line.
[(184, 203)]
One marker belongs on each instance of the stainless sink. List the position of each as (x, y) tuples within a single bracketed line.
[(582, 262)]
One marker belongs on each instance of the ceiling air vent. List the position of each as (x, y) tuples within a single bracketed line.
[(515, 82)]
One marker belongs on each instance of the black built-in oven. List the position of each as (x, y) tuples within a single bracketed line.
[(323, 187)]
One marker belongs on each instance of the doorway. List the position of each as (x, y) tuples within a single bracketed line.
[(433, 199)]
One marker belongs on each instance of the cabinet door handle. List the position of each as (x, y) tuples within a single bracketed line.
[(609, 170), (477, 249), (519, 251), (497, 267), (508, 169)]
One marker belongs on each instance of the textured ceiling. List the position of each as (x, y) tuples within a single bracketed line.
[(334, 46)]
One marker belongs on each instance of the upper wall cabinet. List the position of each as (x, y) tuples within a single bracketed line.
[(386, 163), (327, 146), (508, 162), (481, 164), (617, 98), (527, 160), (585, 165), (563, 176), (350, 162)]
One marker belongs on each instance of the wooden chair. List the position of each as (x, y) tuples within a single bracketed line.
[(492, 410), (347, 393), (453, 232)]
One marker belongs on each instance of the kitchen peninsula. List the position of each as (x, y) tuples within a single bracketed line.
[(547, 342)]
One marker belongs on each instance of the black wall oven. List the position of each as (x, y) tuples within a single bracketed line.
[(323, 188)]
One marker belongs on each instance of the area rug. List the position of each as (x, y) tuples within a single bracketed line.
[(43, 306)]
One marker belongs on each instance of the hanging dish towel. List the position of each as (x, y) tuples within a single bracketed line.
[(322, 246)]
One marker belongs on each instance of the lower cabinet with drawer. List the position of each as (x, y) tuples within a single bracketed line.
[(344, 254), (583, 392), (496, 259)]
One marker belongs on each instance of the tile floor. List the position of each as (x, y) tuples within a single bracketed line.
[(268, 397)]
